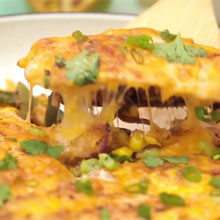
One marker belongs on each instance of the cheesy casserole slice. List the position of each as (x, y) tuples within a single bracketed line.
[(75, 159)]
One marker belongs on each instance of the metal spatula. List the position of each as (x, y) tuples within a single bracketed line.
[(192, 18)]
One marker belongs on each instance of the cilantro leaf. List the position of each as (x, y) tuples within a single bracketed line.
[(79, 36), (34, 147), (144, 211), (153, 161), (166, 35), (176, 51), (9, 163), (175, 159), (55, 151), (171, 199), (195, 51), (142, 41), (105, 215), (83, 69), (85, 186), (5, 193), (215, 181)]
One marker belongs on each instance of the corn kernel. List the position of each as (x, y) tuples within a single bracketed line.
[(137, 142), (123, 151), (151, 141)]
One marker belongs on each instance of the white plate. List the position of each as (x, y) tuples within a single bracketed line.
[(18, 33)]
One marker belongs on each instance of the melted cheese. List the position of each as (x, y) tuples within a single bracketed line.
[(198, 84)]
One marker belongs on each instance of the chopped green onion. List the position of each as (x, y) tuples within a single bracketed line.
[(206, 147), (37, 131), (215, 181), (121, 159), (105, 215), (59, 61), (137, 56), (79, 36), (84, 185), (153, 161), (8, 163), (89, 165), (5, 193), (140, 187), (216, 157), (171, 199), (144, 211), (142, 41), (175, 159), (192, 173), (107, 162)]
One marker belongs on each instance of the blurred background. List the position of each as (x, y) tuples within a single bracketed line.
[(109, 6), (8, 7)]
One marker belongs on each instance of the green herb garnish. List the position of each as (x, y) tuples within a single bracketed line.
[(153, 161), (35, 147), (121, 159), (175, 159), (171, 199), (149, 151), (84, 185), (216, 157), (142, 41), (206, 148), (215, 181), (59, 61), (203, 115), (177, 52), (140, 187), (54, 151), (167, 36), (192, 174), (89, 165), (37, 131), (107, 162), (79, 36), (5, 193), (105, 215), (8, 163), (144, 211), (137, 56), (83, 68)]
